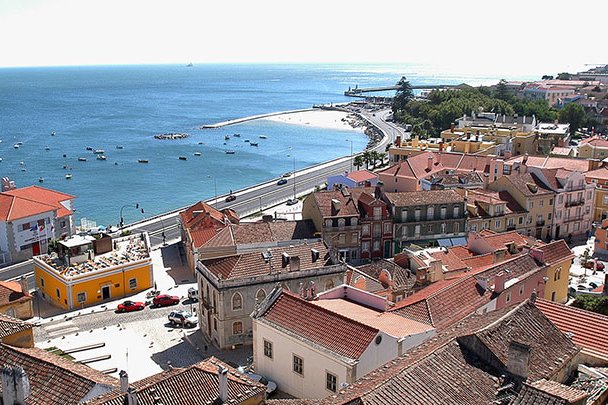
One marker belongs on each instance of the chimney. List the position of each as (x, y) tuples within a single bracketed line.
[(294, 263), (452, 126), (15, 386), (132, 397), (441, 146), (336, 205), (398, 140), (429, 163), (499, 282), (314, 255), (518, 362), (312, 290), (284, 259), (223, 381), (124, 381), (538, 255)]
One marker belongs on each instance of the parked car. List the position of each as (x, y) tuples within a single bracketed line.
[(163, 300), (130, 306), (287, 174), (281, 182), (183, 318), (271, 386), (292, 201), (230, 198), (591, 264), (192, 294)]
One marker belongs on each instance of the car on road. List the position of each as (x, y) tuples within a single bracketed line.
[(591, 264), (271, 386), (164, 300), (192, 294), (130, 306), (230, 198), (292, 201), (183, 318), (281, 182), (287, 174)]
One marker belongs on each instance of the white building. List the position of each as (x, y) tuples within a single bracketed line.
[(312, 348), (29, 218)]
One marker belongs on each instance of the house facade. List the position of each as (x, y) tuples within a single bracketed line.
[(30, 218), (497, 211), (593, 148), (599, 179), (231, 287), (425, 216), (376, 227)]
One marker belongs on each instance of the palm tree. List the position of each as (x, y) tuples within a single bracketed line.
[(359, 161), (374, 156), (381, 157), (367, 158)]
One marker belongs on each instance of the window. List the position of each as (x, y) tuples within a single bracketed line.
[(365, 229), (81, 297), (474, 228), (549, 216), (260, 295), (542, 203), (443, 212), (41, 282), (62, 224), (606, 200), (132, 283), (553, 296), (404, 215), (456, 211), (377, 230), (456, 227), (237, 302), (497, 224), (417, 230), (377, 213), (511, 222), (215, 324), (365, 246), (589, 195), (25, 226), (58, 292), (558, 274), (298, 365), (404, 231), (430, 229), (341, 223), (587, 209), (331, 382), (550, 201), (443, 226), (237, 328), (376, 245), (509, 297), (530, 205), (353, 222), (387, 228), (354, 238), (521, 290), (267, 349), (430, 212), (417, 214), (342, 238), (521, 220), (328, 223)]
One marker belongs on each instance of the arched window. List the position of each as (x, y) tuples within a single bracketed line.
[(260, 295), (329, 284), (237, 302), (237, 328), (558, 274)]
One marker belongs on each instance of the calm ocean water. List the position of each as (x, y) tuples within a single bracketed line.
[(103, 107)]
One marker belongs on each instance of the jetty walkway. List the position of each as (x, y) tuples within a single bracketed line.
[(251, 118), (358, 91)]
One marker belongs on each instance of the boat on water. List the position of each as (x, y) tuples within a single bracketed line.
[(99, 151), (246, 140), (82, 159), (21, 163), (201, 143), (0, 159), (197, 153), (189, 65), (23, 169), (253, 143), (40, 179), (237, 135), (226, 137), (68, 176), (16, 146), (142, 160), (101, 157), (89, 148), (119, 147), (53, 133), (47, 148), (183, 158), (230, 152), (263, 137)]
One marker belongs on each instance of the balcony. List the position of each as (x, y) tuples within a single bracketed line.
[(540, 222), (574, 203), (511, 228)]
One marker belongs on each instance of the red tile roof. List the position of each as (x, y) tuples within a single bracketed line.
[(203, 222), (556, 252), (54, 379), (348, 206), (501, 240), (553, 162), (10, 326), (548, 392), (601, 173), (28, 201), (196, 384), (12, 293), (362, 175), (339, 334), (409, 198), (450, 260), (43, 195), (252, 264), (589, 329)]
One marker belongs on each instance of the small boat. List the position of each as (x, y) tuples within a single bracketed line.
[(253, 143), (53, 133), (21, 163), (142, 160), (89, 148), (19, 143), (230, 152), (189, 65), (101, 157), (115, 163), (68, 176), (237, 135), (47, 148), (119, 147), (197, 153), (0, 159), (82, 159), (263, 137), (65, 166), (183, 158), (226, 137), (99, 151), (23, 169), (40, 180), (16, 146), (201, 143), (246, 140)]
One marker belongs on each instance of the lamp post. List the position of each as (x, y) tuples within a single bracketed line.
[(214, 188), (351, 153), (136, 206), (163, 233)]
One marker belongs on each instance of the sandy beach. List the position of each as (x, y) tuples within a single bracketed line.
[(329, 119)]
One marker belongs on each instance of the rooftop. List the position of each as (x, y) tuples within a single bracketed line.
[(11, 292), (362, 175), (552, 162), (10, 325), (410, 198), (28, 201), (337, 203)]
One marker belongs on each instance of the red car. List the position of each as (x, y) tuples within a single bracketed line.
[(163, 300), (129, 306), (590, 265)]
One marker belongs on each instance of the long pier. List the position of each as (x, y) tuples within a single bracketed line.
[(357, 91), (250, 118)]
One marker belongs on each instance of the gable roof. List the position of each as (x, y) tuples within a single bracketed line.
[(348, 206), (555, 252), (400, 276), (361, 176), (195, 384), (10, 326), (552, 162), (36, 196), (336, 333), (252, 264), (54, 379), (528, 184), (601, 173), (12, 293), (548, 392), (261, 232), (410, 198)]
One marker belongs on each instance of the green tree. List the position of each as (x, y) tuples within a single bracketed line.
[(359, 161), (367, 158), (374, 155), (597, 304), (574, 115), (403, 94), (502, 92), (547, 77), (564, 76), (381, 157)]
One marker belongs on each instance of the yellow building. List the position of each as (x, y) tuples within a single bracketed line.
[(558, 257), (593, 148), (599, 177), (89, 270)]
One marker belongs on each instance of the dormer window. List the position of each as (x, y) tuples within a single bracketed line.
[(341, 223)]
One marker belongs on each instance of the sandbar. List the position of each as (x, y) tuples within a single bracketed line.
[(329, 119)]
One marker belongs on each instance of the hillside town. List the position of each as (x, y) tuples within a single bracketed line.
[(453, 270)]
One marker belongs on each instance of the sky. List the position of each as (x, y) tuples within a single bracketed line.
[(516, 37)]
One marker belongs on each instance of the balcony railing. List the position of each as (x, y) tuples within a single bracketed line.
[(575, 203), (511, 227)]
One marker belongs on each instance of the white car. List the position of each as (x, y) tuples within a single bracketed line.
[(271, 386)]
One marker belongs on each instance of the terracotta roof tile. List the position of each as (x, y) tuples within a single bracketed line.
[(362, 175), (10, 325), (410, 198), (479, 261), (450, 260), (601, 173), (401, 277), (548, 392), (195, 384), (334, 332), (54, 379), (501, 240), (348, 206), (11, 293), (555, 252), (589, 330), (29, 201), (553, 162), (528, 184), (262, 232)]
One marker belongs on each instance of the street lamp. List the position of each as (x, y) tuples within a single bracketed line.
[(136, 206), (214, 188), (351, 153)]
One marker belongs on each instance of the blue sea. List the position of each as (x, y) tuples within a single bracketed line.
[(108, 106)]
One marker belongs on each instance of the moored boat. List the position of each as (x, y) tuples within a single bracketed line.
[(142, 160), (68, 176), (197, 153), (82, 159), (119, 147), (101, 157), (99, 151), (40, 179), (253, 143), (263, 137), (230, 152), (183, 158)]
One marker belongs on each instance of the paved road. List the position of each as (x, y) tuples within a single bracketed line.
[(251, 199)]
